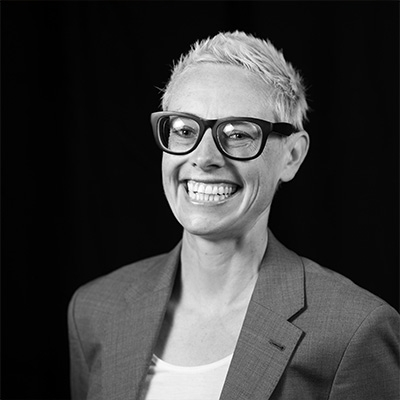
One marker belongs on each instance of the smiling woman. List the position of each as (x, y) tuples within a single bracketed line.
[(230, 313)]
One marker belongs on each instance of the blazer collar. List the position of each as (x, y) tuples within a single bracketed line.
[(160, 276), (268, 338), (265, 344), (280, 286), (132, 331)]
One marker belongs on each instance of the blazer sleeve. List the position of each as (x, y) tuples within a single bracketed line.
[(369, 369), (79, 371)]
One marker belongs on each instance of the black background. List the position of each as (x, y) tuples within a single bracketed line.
[(81, 181)]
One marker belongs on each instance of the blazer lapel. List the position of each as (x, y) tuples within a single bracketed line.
[(132, 332), (268, 338)]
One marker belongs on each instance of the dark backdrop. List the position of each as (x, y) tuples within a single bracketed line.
[(81, 187)]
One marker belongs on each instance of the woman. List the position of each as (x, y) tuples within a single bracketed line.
[(230, 313)]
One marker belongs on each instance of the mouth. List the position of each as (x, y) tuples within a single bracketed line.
[(206, 192)]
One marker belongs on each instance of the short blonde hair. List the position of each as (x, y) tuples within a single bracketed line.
[(286, 88)]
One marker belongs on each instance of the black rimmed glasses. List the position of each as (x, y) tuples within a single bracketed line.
[(239, 138)]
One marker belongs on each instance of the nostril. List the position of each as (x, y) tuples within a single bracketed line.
[(207, 164)]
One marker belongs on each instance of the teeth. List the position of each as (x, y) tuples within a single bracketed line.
[(206, 192)]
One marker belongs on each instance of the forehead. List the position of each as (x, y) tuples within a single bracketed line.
[(218, 90)]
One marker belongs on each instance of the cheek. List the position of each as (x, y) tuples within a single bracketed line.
[(272, 160), (164, 169), (170, 166), (166, 174), (265, 177)]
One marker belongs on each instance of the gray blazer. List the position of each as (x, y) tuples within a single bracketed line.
[(309, 333)]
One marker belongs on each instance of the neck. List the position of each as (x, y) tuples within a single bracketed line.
[(217, 275)]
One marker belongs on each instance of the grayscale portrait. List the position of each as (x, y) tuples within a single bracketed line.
[(200, 200)]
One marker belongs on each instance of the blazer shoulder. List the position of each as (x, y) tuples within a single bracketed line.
[(327, 287), (108, 290)]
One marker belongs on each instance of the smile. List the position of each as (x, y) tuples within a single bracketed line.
[(206, 192)]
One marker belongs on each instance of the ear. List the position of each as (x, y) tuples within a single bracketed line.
[(295, 151)]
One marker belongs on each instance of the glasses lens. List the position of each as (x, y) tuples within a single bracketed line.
[(178, 134), (240, 138)]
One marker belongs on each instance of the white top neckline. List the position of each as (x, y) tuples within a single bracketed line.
[(192, 369)]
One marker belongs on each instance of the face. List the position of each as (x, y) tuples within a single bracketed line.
[(209, 194)]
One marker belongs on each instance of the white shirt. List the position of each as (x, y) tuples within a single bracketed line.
[(165, 381)]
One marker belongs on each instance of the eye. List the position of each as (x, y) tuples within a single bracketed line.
[(241, 130), (184, 132), (238, 135), (183, 128)]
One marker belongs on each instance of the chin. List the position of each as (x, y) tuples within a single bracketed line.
[(203, 227)]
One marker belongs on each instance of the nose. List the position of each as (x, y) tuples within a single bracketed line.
[(206, 155)]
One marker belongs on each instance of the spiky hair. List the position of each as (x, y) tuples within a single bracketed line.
[(285, 86)]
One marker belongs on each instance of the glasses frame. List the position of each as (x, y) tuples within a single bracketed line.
[(280, 128)]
